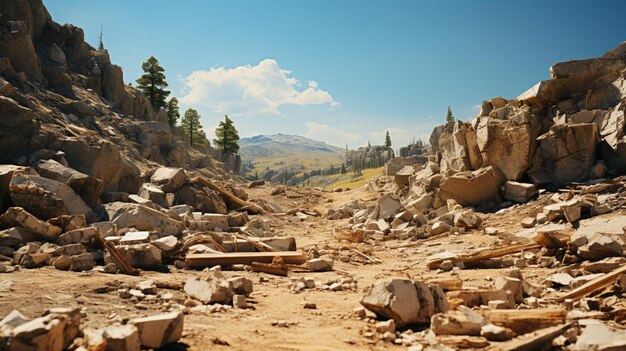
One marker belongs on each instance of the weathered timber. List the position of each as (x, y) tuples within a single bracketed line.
[(208, 260)]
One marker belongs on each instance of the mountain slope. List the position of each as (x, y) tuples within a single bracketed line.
[(282, 145), (278, 152)]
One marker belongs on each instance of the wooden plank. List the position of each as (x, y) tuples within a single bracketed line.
[(537, 340), (271, 268), (594, 285), (230, 197), (474, 259), (446, 284), (209, 260), (525, 321)]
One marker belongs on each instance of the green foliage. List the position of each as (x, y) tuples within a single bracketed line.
[(192, 129), (173, 112), (153, 83), (387, 140), (449, 116), (343, 168), (226, 136)]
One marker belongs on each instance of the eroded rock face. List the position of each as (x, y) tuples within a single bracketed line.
[(459, 150), (101, 159), (473, 188), (566, 154), (508, 142)]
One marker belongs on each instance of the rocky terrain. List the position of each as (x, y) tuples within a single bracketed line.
[(507, 233)]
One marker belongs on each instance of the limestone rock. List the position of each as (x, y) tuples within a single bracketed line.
[(386, 207), (211, 289), (17, 216), (565, 154), (143, 218), (473, 188), (153, 194), (160, 330), (169, 179), (88, 188), (103, 160), (138, 255), (462, 321), (47, 198), (519, 192), (200, 199), (242, 286), (404, 301), (121, 338), (600, 337), (467, 219), (320, 264)]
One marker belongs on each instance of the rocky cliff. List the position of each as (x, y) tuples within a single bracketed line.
[(61, 99), (569, 128)]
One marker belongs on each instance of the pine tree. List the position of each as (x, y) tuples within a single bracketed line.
[(153, 83), (387, 140), (226, 136), (100, 43), (173, 113), (368, 145), (449, 116), (192, 129), (343, 168)]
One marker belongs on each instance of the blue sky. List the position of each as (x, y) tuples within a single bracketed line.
[(345, 71)]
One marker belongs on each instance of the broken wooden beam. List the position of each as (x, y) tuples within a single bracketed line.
[(209, 260), (227, 195), (537, 340), (474, 259), (525, 321), (594, 285), (271, 268), (446, 283)]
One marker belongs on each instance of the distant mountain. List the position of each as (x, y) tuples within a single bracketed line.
[(287, 158), (283, 145)]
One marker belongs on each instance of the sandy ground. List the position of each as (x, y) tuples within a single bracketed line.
[(329, 327)]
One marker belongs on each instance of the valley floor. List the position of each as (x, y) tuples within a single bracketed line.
[(276, 319)]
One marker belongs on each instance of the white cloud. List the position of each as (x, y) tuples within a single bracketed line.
[(251, 90), (476, 107), (332, 135)]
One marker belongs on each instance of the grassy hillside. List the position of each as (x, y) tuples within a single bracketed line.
[(346, 180), (280, 151)]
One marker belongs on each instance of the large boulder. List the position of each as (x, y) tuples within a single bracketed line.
[(405, 301), (47, 198), (6, 174), (19, 218), (103, 160), (508, 143), (169, 179), (565, 154), (201, 199), (211, 289), (473, 188), (138, 255), (87, 187), (142, 218)]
